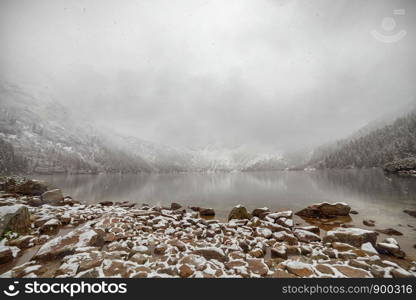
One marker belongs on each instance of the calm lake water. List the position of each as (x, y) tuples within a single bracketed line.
[(374, 195)]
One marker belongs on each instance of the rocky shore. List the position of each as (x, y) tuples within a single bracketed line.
[(45, 234)]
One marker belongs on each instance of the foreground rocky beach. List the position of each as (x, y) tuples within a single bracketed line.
[(45, 234)]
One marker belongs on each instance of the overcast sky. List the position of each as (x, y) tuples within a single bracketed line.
[(274, 74)]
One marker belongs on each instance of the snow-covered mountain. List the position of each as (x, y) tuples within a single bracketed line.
[(52, 139)]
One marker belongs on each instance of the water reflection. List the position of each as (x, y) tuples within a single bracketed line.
[(370, 192), (274, 189)]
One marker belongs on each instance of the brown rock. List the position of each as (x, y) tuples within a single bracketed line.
[(278, 273), (160, 249), (306, 236), (400, 273), (119, 268), (206, 212), (324, 269), (352, 272), (257, 252), (28, 188), (6, 254), (14, 218), (139, 258), (211, 253), (325, 210), (313, 229), (299, 269), (260, 212), (53, 197), (50, 227), (353, 236), (106, 203), (239, 212), (235, 264), (109, 237), (185, 271), (342, 246), (175, 206), (279, 252), (410, 212), (67, 244), (21, 242), (369, 222), (389, 231), (391, 247), (257, 266), (178, 244)]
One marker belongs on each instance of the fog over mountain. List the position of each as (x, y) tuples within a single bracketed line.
[(272, 75)]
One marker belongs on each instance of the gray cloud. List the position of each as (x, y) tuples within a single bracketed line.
[(274, 74)]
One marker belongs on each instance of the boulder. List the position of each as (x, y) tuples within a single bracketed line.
[(67, 244), (325, 269), (352, 272), (206, 212), (50, 227), (257, 266), (313, 229), (6, 254), (27, 187), (410, 212), (306, 236), (211, 253), (175, 206), (53, 197), (106, 203), (35, 202), (389, 231), (391, 247), (260, 212), (299, 268), (283, 236), (14, 218), (239, 212), (370, 223), (185, 271), (325, 210), (353, 236), (22, 242)]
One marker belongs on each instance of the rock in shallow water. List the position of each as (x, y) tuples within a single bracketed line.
[(389, 231), (206, 212), (239, 212), (353, 236), (325, 210)]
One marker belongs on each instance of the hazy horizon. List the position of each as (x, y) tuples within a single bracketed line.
[(275, 75)]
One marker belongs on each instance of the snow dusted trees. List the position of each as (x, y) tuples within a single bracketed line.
[(381, 146)]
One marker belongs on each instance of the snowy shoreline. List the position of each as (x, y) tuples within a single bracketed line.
[(64, 238)]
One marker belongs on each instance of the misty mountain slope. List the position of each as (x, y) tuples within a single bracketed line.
[(46, 137), (327, 149), (374, 149), (51, 140), (240, 158), (212, 158)]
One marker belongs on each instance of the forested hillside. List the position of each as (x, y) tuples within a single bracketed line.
[(10, 162), (381, 146)]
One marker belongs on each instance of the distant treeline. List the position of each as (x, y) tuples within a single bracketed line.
[(10, 162), (381, 146)]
